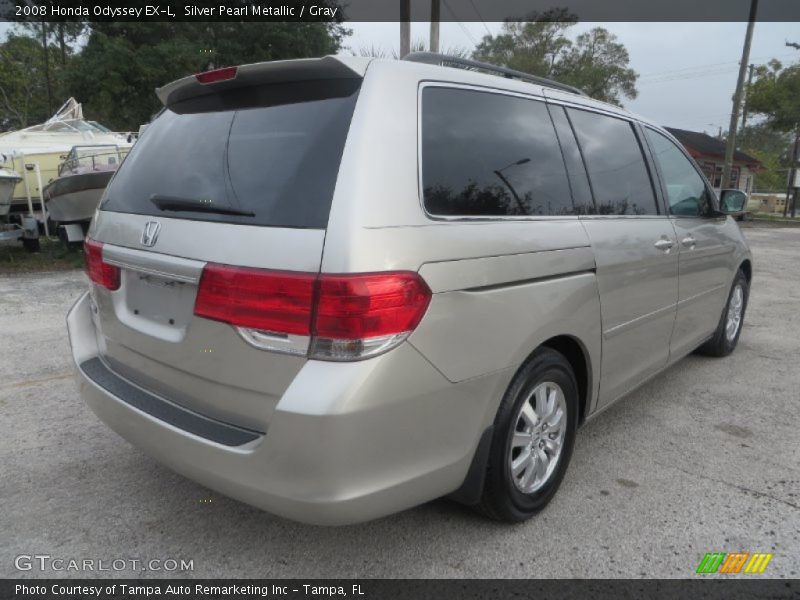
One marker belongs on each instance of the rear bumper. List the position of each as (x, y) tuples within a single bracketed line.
[(347, 442)]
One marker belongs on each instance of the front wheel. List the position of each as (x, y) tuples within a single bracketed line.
[(729, 328), (534, 433)]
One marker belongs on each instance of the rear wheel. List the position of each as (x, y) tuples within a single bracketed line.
[(534, 435), (726, 336)]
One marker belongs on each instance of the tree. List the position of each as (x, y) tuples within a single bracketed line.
[(33, 61), (23, 92), (775, 93), (770, 148), (116, 73), (595, 62), (66, 35), (533, 47)]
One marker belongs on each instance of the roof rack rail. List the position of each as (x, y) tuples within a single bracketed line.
[(433, 58)]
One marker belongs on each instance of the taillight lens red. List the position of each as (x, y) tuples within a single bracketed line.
[(353, 307), (217, 75), (275, 301), (100, 272), (337, 311)]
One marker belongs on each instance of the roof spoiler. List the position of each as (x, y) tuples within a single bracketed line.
[(281, 71)]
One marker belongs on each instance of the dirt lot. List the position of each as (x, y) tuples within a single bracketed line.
[(704, 458)]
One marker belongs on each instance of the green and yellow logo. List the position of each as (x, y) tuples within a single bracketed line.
[(737, 562)]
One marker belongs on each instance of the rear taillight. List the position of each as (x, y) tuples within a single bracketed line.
[(364, 315), (223, 74), (272, 301), (341, 317), (99, 272)]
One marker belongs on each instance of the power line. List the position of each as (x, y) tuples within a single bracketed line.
[(460, 24), (707, 66), (477, 12), (707, 73)]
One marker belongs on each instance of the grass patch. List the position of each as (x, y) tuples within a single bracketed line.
[(52, 257), (774, 217)]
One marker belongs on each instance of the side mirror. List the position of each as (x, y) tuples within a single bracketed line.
[(732, 202)]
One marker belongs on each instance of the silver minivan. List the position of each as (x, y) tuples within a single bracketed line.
[(338, 288)]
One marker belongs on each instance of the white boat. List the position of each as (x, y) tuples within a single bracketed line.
[(47, 145), (8, 181), (73, 196)]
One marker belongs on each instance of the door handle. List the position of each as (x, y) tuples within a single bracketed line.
[(689, 241), (665, 245)]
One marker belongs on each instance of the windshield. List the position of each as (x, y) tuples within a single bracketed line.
[(272, 152)]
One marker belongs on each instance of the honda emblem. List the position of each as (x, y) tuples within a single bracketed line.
[(150, 233)]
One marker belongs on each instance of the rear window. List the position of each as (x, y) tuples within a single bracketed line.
[(269, 154)]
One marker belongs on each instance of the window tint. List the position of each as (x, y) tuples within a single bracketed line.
[(486, 154), (581, 192), (686, 191), (273, 151), (617, 171)]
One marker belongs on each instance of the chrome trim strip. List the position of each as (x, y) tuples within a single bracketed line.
[(151, 263), (700, 295), (617, 329)]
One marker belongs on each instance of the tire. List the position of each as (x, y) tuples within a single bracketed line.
[(722, 344), (507, 495), (31, 244), (62, 236)]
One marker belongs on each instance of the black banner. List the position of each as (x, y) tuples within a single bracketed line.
[(389, 10), (400, 589)]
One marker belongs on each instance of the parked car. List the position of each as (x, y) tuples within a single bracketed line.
[(338, 288)]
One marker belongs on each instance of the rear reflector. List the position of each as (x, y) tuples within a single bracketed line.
[(217, 75), (99, 272), (347, 317)]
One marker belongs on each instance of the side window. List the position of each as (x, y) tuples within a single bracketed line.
[(487, 154), (687, 193), (581, 192), (617, 170)]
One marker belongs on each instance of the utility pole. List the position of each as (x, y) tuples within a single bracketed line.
[(737, 97), (744, 107), (435, 10), (405, 27)]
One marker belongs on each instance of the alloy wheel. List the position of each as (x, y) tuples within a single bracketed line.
[(538, 438)]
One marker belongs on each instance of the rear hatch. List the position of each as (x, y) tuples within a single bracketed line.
[(238, 171)]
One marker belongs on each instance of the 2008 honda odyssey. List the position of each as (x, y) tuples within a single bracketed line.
[(336, 288)]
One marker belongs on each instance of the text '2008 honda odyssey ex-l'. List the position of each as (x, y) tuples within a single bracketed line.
[(337, 288)]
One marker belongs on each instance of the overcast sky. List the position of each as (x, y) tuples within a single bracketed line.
[(687, 70)]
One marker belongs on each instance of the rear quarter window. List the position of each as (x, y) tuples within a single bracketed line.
[(272, 151), (489, 154)]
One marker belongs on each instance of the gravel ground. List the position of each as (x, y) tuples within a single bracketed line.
[(704, 458)]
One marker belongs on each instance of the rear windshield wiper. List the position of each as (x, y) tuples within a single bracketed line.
[(188, 205)]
